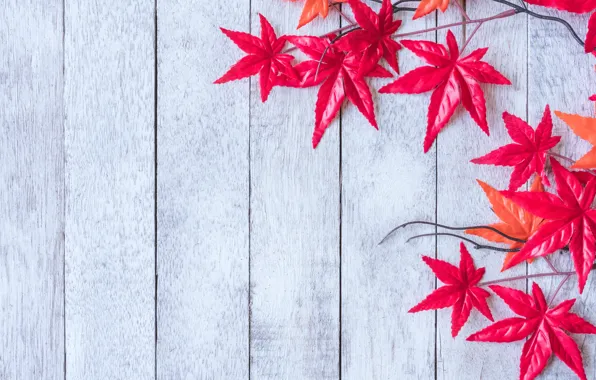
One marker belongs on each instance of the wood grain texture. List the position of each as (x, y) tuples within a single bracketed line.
[(32, 182), (387, 180), (294, 225), (562, 75), (203, 194), (109, 128), (461, 201)]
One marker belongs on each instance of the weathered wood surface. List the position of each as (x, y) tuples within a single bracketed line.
[(109, 222), (31, 188), (202, 194), (294, 225), (387, 180), (266, 250)]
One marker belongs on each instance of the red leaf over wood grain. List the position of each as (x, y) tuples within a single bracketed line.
[(460, 291), (452, 78), (570, 220), (264, 57), (527, 153), (338, 72), (545, 327)]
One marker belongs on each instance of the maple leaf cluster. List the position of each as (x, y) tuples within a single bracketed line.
[(552, 215), (535, 224), (341, 64), (545, 222), (545, 327)]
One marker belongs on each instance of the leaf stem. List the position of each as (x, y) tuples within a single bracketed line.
[(337, 6), (470, 37), (501, 15), (520, 9), (338, 30), (569, 160), (550, 264), (563, 281), (516, 278), (461, 10)]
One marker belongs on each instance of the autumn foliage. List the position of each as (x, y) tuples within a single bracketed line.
[(547, 206)]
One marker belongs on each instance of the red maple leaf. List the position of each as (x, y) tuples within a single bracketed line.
[(576, 6), (593, 98), (571, 220), (527, 154), (374, 37), (591, 36), (546, 328), (460, 290), (454, 80), (338, 72), (264, 57)]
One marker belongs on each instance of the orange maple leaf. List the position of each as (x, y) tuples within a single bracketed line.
[(585, 128), (515, 221), (312, 9), (427, 6)]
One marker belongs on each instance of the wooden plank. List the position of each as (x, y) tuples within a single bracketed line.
[(561, 75), (387, 180), (202, 194), (294, 225), (31, 178), (109, 129), (462, 202)]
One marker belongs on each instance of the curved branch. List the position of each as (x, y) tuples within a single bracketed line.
[(476, 245), (452, 229), (520, 9)]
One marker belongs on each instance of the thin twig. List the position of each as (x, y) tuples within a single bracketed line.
[(563, 281), (570, 160), (339, 30), (476, 244), (550, 264), (516, 10), (461, 10), (452, 229), (470, 37), (516, 278), (502, 15)]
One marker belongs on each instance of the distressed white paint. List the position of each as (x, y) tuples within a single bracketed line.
[(109, 128), (202, 178), (461, 201), (294, 225), (243, 202), (387, 180), (562, 75), (31, 188)]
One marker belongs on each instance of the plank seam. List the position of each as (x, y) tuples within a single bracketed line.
[(64, 186), (436, 218), (340, 230), (249, 208), (527, 102), (155, 268)]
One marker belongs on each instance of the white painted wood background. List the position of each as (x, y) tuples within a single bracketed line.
[(156, 226)]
